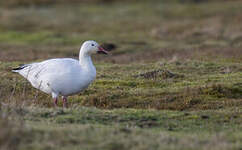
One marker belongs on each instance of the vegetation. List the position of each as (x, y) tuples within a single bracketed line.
[(173, 79), (91, 128)]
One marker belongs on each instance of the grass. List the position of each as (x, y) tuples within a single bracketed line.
[(91, 128), (173, 81), (189, 85)]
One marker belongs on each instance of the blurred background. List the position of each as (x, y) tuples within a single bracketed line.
[(135, 31), (182, 58)]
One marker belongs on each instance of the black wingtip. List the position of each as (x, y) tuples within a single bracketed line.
[(19, 68)]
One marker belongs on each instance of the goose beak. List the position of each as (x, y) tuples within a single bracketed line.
[(101, 50)]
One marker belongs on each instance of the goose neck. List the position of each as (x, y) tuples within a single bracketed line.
[(86, 61)]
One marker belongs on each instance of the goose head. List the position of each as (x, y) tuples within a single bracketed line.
[(92, 47)]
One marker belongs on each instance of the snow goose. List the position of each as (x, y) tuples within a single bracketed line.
[(63, 76)]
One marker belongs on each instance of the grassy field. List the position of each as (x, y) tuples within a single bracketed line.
[(172, 81)]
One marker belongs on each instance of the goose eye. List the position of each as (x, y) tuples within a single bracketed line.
[(92, 44)]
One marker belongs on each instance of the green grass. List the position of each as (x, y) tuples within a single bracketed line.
[(91, 128), (35, 38), (174, 80)]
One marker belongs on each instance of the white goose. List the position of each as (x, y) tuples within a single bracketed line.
[(63, 76)]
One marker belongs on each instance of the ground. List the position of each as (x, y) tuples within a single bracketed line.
[(173, 79)]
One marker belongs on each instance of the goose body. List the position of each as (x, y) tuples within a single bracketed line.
[(63, 76)]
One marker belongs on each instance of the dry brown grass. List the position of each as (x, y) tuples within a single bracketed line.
[(14, 3), (12, 130)]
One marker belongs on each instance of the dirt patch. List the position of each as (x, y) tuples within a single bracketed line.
[(109, 46), (14, 3), (160, 73)]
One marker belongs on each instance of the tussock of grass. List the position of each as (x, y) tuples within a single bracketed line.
[(163, 74)]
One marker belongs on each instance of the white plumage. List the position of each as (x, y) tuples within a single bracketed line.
[(63, 76)]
